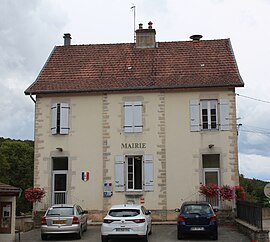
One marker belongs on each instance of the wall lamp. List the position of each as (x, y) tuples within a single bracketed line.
[(211, 146), (59, 149)]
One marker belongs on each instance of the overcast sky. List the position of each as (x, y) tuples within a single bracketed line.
[(29, 29)]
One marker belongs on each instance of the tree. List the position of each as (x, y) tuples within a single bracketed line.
[(17, 167)]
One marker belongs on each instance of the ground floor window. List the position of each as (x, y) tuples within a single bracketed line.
[(59, 180), (211, 173), (134, 173)]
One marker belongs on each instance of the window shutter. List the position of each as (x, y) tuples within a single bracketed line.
[(64, 118), (119, 173), (54, 118), (148, 173), (128, 123), (224, 114), (194, 108), (137, 114)]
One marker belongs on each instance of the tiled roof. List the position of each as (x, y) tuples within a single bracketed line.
[(8, 189), (117, 67)]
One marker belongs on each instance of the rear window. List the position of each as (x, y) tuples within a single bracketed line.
[(197, 208), (61, 211), (124, 212)]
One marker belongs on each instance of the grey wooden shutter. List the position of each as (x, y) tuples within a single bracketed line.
[(137, 115), (119, 175), (148, 173), (128, 122), (224, 114), (194, 109), (64, 118), (53, 118)]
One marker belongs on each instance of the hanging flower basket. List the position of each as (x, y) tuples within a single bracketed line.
[(34, 195), (226, 192), (240, 193), (209, 190)]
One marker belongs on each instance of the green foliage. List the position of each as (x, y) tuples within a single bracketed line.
[(17, 167), (254, 189)]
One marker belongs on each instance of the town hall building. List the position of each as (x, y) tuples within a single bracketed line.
[(145, 122)]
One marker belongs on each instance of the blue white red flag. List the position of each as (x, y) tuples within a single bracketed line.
[(85, 175)]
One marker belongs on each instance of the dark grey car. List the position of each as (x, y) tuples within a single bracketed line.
[(64, 219)]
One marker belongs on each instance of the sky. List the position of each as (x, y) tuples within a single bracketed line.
[(29, 30)]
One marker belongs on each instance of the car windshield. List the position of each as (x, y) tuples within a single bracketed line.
[(124, 212), (60, 211), (197, 208)]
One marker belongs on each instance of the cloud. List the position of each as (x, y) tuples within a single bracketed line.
[(27, 32), (254, 166)]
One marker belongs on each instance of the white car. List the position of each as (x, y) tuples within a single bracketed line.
[(126, 221)]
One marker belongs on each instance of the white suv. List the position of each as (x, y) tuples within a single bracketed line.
[(126, 221)]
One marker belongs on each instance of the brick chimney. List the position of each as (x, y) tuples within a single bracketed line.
[(67, 39), (146, 38)]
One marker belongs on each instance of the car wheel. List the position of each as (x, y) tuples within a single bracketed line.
[(179, 235), (79, 235), (43, 236), (145, 238), (215, 236), (85, 228), (104, 239)]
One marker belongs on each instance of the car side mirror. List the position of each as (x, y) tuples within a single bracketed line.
[(147, 212), (177, 210), (84, 212), (215, 210)]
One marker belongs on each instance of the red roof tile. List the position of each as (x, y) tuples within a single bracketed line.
[(106, 67)]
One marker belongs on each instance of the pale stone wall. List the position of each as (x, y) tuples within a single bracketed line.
[(96, 137)]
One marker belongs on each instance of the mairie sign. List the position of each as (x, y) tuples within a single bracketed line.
[(133, 145)]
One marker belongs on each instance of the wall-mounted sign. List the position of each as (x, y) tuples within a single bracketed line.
[(267, 190), (107, 192), (85, 176), (133, 145)]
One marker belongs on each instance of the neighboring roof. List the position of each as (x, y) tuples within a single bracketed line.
[(117, 67), (8, 190)]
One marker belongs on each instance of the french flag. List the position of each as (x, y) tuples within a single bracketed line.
[(85, 175)]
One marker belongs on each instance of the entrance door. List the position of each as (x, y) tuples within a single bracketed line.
[(211, 174), (59, 180)]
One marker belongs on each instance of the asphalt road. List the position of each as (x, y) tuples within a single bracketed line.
[(161, 233)]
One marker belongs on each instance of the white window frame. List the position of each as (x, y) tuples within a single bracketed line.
[(64, 193), (133, 117), (133, 173), (209, 104)]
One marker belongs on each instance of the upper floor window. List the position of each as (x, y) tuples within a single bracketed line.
[(60, 118), (133, 117), (209, 115)]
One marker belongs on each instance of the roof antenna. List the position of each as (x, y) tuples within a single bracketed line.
[(133, 7)]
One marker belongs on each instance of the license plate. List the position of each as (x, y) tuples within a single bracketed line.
[(197, 228), (59, 221), (122, 229)]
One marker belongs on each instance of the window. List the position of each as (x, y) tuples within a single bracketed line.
[(133, 117), (60, 118), (134, 173), (209, 115)]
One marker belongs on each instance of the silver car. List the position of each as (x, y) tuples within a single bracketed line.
[(64, 219)]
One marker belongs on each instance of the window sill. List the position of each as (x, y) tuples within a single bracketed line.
[(134, 193)]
